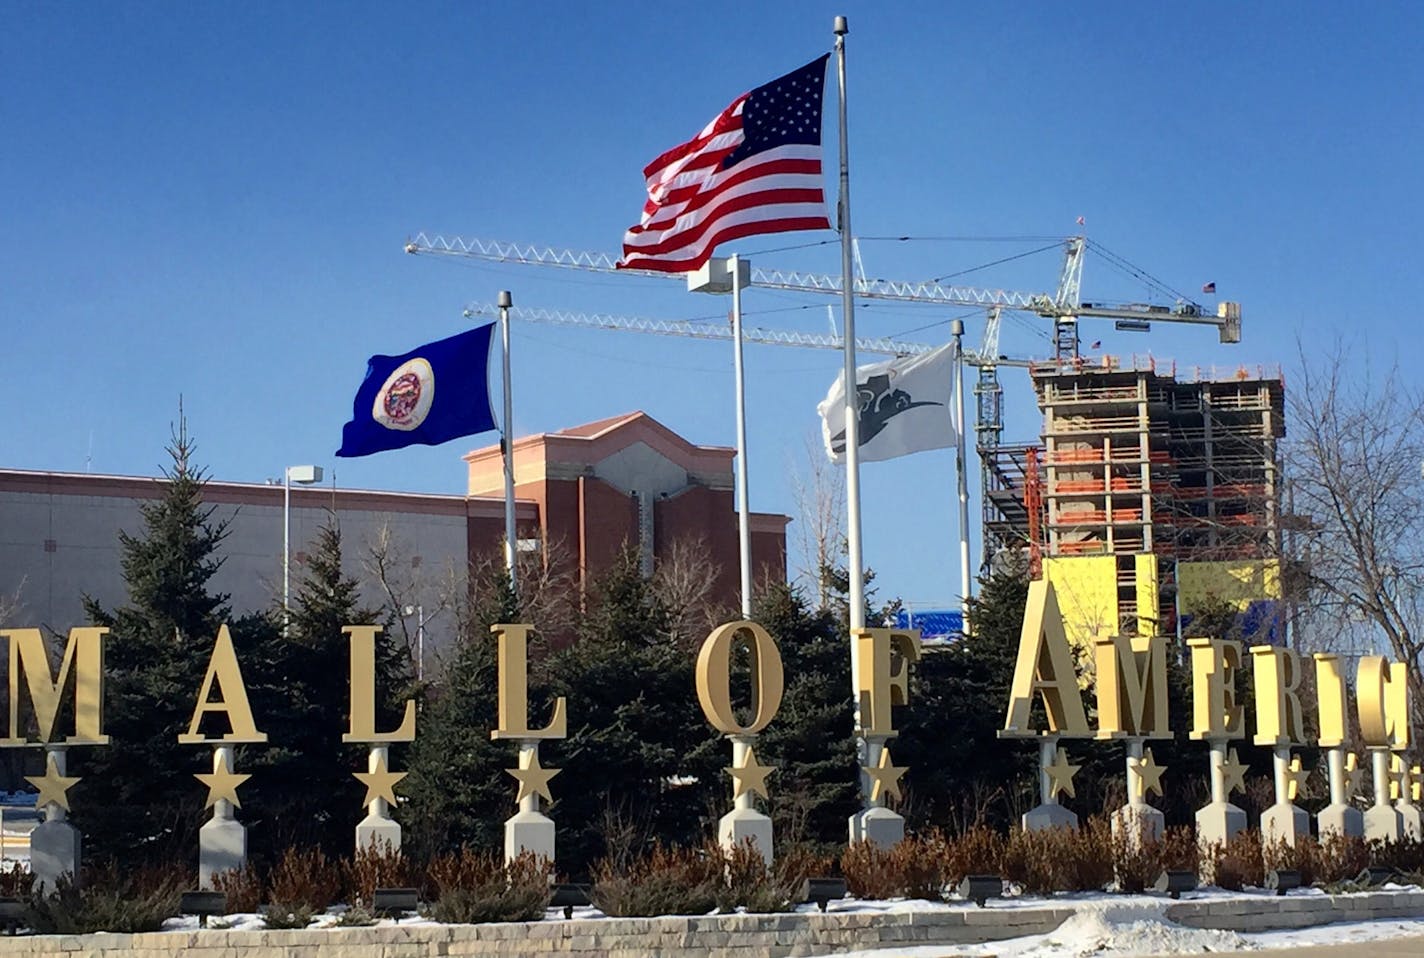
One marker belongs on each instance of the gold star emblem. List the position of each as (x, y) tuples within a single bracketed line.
[(1149, 774), (52, 785), (749, 777), (222, 783), (1295, 778), (1354, 775), (885, 777), (380, 782), (1233, 774), (533, 777), (1060, 774)]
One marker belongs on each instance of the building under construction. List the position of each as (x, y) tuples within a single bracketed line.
[(1153, 494)]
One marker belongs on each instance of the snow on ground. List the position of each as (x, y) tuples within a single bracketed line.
[(1138, 926), (1115, 926)]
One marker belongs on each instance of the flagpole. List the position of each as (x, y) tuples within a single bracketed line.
[(866, 750), (744, 532), (956, 328), (507, 443), (852, 399)]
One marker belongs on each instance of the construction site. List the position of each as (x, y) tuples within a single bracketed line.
[(1152, 493)]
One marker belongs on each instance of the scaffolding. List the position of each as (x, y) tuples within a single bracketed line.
[(1155, 471)]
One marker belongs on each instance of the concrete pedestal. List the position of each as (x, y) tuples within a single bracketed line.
[(1218, 823), (1284, 822), (1383, 823), (1411, 824), (1339, 817), (528, 831), (222, 847), (1049, 815), (1138, 824), (55, 850), (378, 832), (1340, 820), (874, 823), (879, 826), (741, 824), (222, 841)]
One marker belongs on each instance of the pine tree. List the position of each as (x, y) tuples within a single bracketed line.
[(138, 800), (959, 770), (814, 790), (639, 748), (457, 789), (302, 790)]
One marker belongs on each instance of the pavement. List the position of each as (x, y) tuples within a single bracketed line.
[(1411, 947)]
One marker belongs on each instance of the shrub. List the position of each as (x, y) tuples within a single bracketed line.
[(1333, 860), (978, 851), (1136, 868), (472, 887), (1237, 863), (748, 884), (917, 867), (667, 881), (1060, 859), (305, 879), (284, 917), (112, 902), (243, 887), (15, 880), (355, 917), (379, 866), (1405, 855)]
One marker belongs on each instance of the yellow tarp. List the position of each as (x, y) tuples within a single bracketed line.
[(1238, 582)]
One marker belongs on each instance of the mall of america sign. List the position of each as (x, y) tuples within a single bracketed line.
[(1130, 684)]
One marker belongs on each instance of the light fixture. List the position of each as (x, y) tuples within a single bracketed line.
[(980, 888), (823, 890), (1174, 881)]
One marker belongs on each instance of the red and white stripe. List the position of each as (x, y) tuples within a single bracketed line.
[(693, 206)]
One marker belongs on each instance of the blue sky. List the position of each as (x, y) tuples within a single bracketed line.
[(212, 201)]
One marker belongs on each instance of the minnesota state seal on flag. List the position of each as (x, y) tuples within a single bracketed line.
[(432, 394)]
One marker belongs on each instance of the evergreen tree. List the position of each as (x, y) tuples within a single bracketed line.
[(138, 799), (639, 748), (814, 790), (302, 790), (457, 789), (960, 771)]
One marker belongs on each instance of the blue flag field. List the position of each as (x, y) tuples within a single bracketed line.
[(432, 394)]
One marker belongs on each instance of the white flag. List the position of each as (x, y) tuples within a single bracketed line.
[(906, 405)]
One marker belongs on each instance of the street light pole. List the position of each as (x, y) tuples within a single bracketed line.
[(304, 475)]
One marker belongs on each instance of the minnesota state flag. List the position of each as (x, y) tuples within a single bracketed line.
[(432, 394)]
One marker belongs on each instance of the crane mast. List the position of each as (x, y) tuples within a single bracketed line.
[(1000, 490)]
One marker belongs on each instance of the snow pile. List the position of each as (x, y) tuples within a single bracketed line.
[(1123, 928)]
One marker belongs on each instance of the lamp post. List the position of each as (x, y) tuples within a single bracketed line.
[(419, 612), (304, 475)]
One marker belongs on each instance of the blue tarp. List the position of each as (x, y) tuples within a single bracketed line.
[(940, 625)]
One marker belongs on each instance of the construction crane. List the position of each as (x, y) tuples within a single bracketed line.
[(1064, 307), (694, 330)]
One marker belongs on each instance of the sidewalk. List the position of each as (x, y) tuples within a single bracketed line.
[(1411, 947)]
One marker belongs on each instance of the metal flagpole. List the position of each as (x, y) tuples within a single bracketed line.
[(956, 328), (852, 399), (744, 530), (854, 564), (507, 444)]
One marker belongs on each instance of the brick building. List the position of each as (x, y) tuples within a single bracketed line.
[(584, 492)]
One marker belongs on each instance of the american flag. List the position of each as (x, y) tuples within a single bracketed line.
[(755, 169)]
